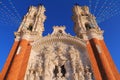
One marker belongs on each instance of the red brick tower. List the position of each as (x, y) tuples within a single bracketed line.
[(86, 27), (30, 29)]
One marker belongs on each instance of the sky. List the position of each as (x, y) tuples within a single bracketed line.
[(59, 12)]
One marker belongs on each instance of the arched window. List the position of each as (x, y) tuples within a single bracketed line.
[(87, 26)]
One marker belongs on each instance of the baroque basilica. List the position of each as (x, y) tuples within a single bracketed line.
[(59, 55)]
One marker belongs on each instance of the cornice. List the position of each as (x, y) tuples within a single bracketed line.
[(92, 33), (27, 35)]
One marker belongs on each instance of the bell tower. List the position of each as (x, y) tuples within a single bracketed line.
[(86, 28), (31, 29), (85, 25), (33, 21)]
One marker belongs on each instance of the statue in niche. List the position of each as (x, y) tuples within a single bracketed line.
[(78, 70), (73, 57), (88, 74), (35, 69), (61, 54), (37, 75), (59, 48), (39, 67), (59, 74), (59, 62), (68, 70), (48, 63), (31, 75), (32, 70), (73, 61)]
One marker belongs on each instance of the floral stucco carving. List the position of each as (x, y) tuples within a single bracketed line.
[(58, 61)]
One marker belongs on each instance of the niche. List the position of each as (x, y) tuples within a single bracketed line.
[(59, 69), (60, 31)]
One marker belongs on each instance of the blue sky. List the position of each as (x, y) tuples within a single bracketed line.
[(59, 12)]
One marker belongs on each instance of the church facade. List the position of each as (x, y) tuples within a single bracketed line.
[(59, 55)]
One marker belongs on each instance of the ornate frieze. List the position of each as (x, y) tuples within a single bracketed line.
[(58, 56), (58, 61)]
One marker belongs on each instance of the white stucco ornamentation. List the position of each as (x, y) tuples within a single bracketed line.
[(58, 56), (32, 26), (85, 25)]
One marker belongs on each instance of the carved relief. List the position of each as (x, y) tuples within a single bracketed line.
[(58, 61)]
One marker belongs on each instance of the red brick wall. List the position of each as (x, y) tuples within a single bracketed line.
[(94, 65), (107, 70), (24, 63), (109, 58), (9, 59), (18, 67), (15, 66)]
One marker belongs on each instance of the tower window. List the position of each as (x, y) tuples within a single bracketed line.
[(60, 31), (87, 26), (30, 27), (63, 71), (35, 15)]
